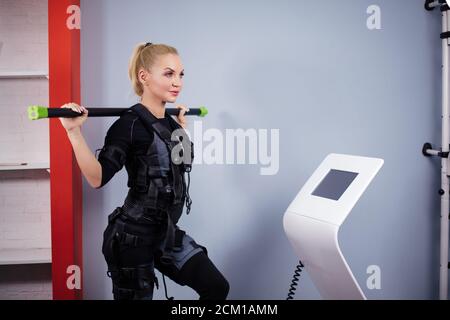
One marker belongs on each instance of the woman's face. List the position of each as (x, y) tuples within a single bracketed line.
[(165, 79)]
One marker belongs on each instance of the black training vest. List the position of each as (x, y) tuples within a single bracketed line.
[(150, 168)]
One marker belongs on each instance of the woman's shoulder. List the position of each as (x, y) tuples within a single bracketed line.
[(123, 126), (138, 131)]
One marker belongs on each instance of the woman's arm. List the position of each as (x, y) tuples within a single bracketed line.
[(89, 165), (113, 155), (87, 162)]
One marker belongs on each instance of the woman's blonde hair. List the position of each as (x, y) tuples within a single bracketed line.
[(144, 56)]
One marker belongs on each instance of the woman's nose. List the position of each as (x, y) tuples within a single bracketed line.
[(176, 82)]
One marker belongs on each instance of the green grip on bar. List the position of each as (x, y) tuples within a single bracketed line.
[(203, 111), (37, 112)]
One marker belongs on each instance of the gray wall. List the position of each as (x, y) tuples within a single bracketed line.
[(315, 71)]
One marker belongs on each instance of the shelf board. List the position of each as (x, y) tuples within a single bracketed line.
[(25, 256), (23, 75), (24, 166)]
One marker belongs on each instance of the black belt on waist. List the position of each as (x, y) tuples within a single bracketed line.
[(164, 198), (134, 206)]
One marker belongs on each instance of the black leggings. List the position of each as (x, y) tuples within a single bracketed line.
[(198, 272)]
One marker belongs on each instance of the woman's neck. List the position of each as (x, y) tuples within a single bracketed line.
[(157, 108)]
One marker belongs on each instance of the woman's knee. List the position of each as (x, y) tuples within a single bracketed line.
[(202, 275)]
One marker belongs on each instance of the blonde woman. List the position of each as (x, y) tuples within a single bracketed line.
[(143, 233)]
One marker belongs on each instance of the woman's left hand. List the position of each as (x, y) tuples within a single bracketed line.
[(181, 118)]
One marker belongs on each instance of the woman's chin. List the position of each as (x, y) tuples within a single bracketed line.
[(171, 99)]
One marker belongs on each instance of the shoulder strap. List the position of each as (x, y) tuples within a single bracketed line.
[(150, 122), (152, 125)]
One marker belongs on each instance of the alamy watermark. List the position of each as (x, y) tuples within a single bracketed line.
[(374, 20), (234, 146), (74, 278), (374, 279), (74, 20)]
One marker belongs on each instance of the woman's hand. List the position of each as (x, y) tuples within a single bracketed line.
[(181, 118), (74, 123)]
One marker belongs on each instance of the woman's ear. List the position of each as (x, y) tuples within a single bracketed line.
[(143, 77)]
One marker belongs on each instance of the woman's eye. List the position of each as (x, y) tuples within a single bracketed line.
[(171, 74)]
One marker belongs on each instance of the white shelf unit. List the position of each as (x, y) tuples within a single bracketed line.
[(25, 166), (25, 219), (21, 256), (25, 256), (24, 75)]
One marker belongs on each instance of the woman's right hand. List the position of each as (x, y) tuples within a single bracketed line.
[(74, 123)]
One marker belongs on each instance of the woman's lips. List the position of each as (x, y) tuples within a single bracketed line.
[(175, 93)]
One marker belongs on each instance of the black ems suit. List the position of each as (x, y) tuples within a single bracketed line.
[(142, 234)]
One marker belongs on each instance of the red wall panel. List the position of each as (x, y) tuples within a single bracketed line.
[(65, 175)]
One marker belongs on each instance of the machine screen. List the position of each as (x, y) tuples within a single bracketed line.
[(334, 184)]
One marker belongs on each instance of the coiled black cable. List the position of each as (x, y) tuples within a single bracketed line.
[(165, 288), (188, 197), (295, 280)]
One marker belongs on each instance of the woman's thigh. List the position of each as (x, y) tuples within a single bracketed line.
[(192, 267), (128, 249)]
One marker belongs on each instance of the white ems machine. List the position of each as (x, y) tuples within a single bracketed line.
[(313, 219)]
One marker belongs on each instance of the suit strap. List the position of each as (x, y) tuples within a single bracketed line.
[(152, 125)]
